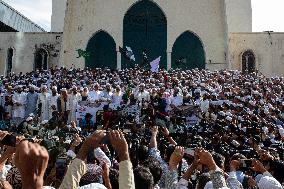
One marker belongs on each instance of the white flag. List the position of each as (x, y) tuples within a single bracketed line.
[(155, 64), (129, 53)]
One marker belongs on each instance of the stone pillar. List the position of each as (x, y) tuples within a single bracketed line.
[(118, 60), (169, 60)]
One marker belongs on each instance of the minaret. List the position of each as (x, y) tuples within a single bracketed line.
[(58, 15), (238, 15)]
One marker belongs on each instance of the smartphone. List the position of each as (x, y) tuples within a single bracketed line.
[(9, 140), (106, 140), (245, 163), (61, 167), (189, 151)]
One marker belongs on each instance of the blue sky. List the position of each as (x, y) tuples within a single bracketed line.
[(267, 14)]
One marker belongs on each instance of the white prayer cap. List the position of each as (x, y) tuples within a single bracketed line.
[(64, 89), (265, 130), (31, 115), (228, 118), (261, 102), (252, 103), (255, 92), (240, 118), (229, 114), (281, 132), (266, 111), (240, 105), (197, 91), (54, 87), (214, 94), (44, 122), (209, 185), (222, 113), (29, 119), (93, 186)]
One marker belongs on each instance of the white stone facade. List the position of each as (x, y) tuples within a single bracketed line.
[(24, 46), (205, 18), (268, 49)]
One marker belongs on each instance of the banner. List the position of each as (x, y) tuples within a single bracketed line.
[(82, 110)]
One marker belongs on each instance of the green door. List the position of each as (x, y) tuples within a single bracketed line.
[(248, 62), (102, 49), (145, 29), (188, 52)]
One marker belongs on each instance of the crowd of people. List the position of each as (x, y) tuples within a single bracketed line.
[(171, 129)]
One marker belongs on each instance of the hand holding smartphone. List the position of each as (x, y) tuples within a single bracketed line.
[(245, 163)]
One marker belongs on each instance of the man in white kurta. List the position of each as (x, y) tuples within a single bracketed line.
[(176, 99), (95, 94), (19, 101), (116, 98), (53, 101), (73, 99), (43, 104), (142, 94)]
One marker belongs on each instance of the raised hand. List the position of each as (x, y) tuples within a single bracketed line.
[(77, 140), (176, 157), (206, 158), (165, 132), (154, 130), (258, 166), (91, 143), (31, 159), (119, 144)]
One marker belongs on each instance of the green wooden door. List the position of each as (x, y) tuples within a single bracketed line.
[(145, 28), (102, 49), (248, 62), (188, 52)]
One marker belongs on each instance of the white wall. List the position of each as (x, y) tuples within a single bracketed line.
[(203, 17), (58, 15), (268, 49), (25, 45)]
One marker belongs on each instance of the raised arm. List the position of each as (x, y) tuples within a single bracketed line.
[(78, 168), (126, 176), (166, 134), (153, 141)]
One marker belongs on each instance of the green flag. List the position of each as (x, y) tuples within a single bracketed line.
[(84, 54)]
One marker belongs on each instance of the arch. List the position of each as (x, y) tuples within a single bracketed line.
[(188, 52), (10, 58), (41, 59), (102, 50), (248, 61), (145, 30)]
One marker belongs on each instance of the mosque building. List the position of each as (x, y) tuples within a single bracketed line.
[(187, 34)]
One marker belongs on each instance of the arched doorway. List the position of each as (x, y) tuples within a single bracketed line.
[(248, 62), (102, 51), (145, 30), (41, 59), (10, 54), (188, 52)]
